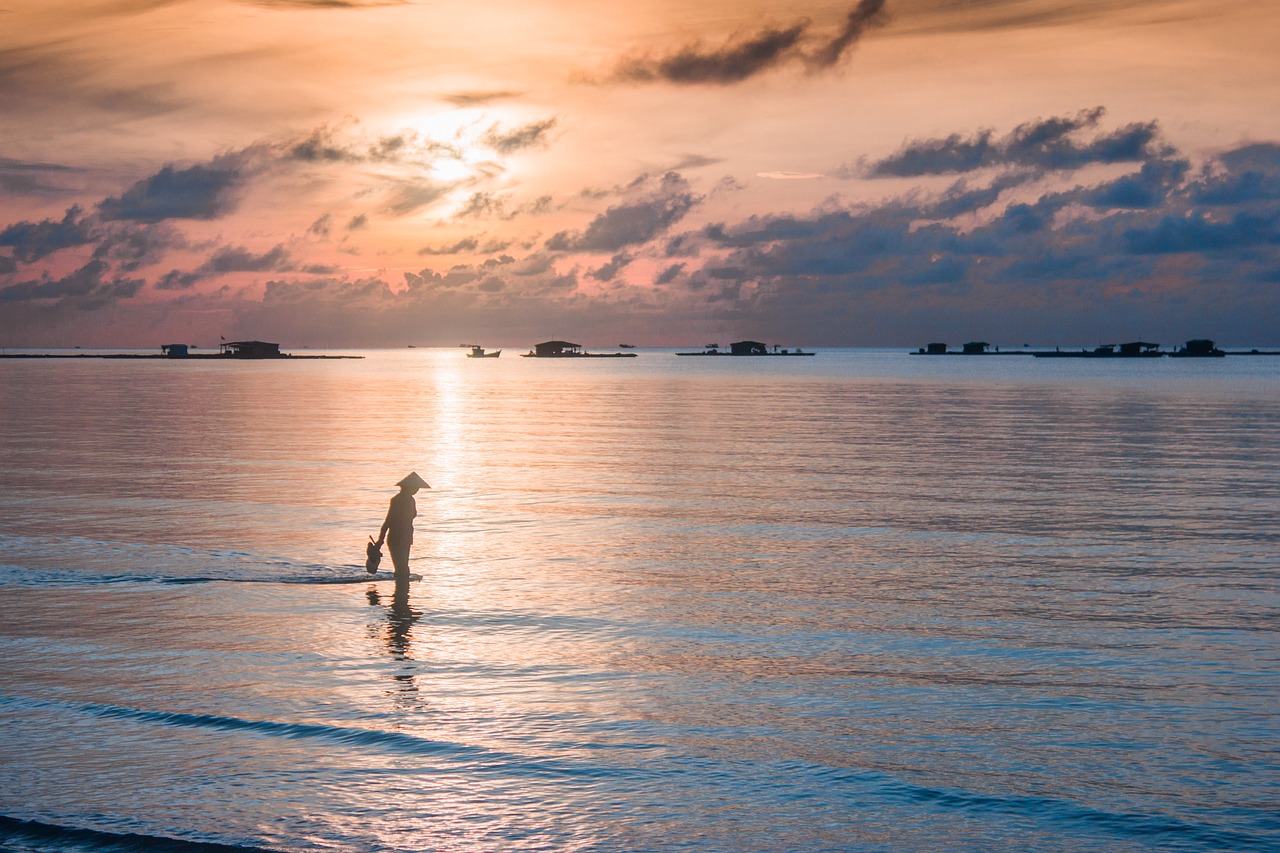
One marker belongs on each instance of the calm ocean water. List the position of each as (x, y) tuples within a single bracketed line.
[(856, 602)]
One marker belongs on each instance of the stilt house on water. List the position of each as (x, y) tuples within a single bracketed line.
[(556, 349), (251, 349)]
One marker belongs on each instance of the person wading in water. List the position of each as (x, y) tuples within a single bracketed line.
[(397, 529)]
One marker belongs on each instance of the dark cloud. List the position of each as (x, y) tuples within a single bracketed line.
[(734, 62), (634, 222), (32, 241), (322, 227), (239, 259), (466, 244), (866, 14), (88, 287), (304, 5), (746, 56), (133, 246), (25, 178), (499, 261), (302, 292), (1198, 232), (1249, 175), (412, 195), (178, 280), (197, 192), (472, 99), (669, 274), (483, 205), (525, 136), (962, 198), (235, 259), (694, 161), (1074, 247), (1044, 144), (358, 222), (610, 270), (1147, 188), (322, 147)]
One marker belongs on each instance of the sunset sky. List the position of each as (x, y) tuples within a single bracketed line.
[(882, 172)]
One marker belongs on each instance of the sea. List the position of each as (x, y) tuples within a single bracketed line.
[(860, 601)]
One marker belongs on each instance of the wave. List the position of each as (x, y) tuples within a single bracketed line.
[(1057, 811), (17, 576), (477, 758), (38, 836), (1058, 814)]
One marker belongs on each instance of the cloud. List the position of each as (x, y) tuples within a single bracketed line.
[(526, 136), (789, 176), (197, 192), (744, 57), (632, 223), (339, 145), (322, 227), (233, 259), (1044, 144), (867, 13), (27, 178), (611, 269), (1150, 231), (414, 194), (1146, 188), (1197, 232), (734, 62), (466, 244), (32, 241), (670, 274), (1249, 175), (133, 246), (474, 99), (87, 288), (304, 5), (239, 259)]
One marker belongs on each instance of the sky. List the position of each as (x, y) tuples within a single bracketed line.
[(362, 173)]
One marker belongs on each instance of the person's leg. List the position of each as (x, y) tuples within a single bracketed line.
[(400, 559)]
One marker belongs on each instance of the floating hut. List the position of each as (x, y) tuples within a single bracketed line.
[(565, 349), (1198, 348), (251, 349)]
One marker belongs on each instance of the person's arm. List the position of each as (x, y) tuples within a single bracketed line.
[(386, 525)]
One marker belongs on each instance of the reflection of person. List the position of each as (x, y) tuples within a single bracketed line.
[(397, 529), (398, 639)]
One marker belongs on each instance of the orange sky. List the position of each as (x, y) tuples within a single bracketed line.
[(333, 173)]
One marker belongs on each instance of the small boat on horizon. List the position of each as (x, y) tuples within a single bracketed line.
[(479, 352)]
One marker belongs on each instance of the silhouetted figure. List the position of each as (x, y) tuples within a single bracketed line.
[(397, 529)]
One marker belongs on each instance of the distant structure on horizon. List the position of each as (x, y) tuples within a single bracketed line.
[(971, 348), (1197, 348), (251, 349), (565, 349), (748, 348)]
